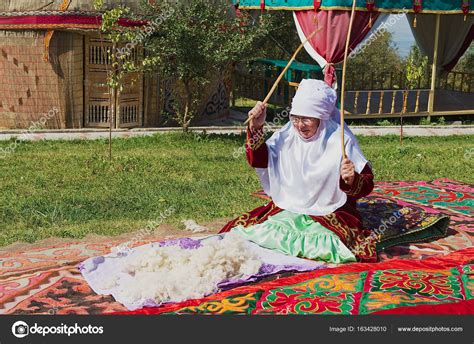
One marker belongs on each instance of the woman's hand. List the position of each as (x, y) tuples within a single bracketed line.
[(347, 171), (258, 114)]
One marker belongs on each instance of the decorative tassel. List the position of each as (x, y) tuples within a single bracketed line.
[(317, 5), (49, 34), (417, 7), (236, 8), (465, 8), (47, 40), (370, 4), (262, 5), (65, 4)]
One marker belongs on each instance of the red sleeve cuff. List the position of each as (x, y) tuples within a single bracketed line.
[(348, 189), (255, 139)]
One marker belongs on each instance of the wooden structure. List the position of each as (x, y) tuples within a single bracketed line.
[(72, 81), (376, 95), (378, 99), (128, 102)]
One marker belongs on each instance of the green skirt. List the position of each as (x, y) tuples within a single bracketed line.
[(298, 235)]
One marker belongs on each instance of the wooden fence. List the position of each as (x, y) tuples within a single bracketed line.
[(374, 95)]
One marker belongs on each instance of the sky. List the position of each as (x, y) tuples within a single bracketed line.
[(402, 36)]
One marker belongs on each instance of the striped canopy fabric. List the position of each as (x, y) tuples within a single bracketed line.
[(52, 5), (393, 6)]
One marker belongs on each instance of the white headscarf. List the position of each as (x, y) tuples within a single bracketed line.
[(303, 174)]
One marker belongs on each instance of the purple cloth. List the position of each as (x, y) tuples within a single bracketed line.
[(96, 269), (184, 243)]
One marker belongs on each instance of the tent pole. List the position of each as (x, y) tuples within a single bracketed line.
[(434, 68), (343, 82)]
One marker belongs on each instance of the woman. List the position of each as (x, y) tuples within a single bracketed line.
[(313, 189)]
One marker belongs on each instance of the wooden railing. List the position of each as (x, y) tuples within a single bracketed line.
[(256, 87), (381, 81), (457, 81), (452, 81), (387, 103), (367, 96)]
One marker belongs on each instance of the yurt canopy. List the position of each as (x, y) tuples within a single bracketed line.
[(393, 6), (56, 14), (443, 29), (52, 5)]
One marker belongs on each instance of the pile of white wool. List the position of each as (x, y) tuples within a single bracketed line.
[(173, 274)]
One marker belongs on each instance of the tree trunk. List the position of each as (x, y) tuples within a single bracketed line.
[(187, 108)]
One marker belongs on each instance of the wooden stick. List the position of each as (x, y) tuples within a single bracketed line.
[(275, 84), (344, 68)]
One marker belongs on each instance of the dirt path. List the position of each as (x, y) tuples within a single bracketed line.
[(94, 134)]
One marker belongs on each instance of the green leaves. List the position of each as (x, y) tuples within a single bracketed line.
[(192, 42), (466, 63), (380, 56), (98, 4), (416, 67)]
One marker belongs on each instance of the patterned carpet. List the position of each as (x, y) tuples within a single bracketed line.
[(439, 273), (442, 196), (351, 289)]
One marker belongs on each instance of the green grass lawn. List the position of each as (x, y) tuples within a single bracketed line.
[(70, 188)]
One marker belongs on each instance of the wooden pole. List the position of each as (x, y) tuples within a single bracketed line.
[(344, 70), (404, 109), (110, 90), (275, 84), (111, 120), (113, 99), (434, 68)]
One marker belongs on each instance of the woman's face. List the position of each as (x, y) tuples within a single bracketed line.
[(305, 126)]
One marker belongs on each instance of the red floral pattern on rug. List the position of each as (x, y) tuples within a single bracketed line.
[(46, 281)]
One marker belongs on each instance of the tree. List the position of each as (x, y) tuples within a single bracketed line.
[(283, 40), (191, 41), (114, 67), (378, 55), (417, 69), (466, 63)]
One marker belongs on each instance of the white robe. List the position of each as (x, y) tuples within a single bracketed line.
[(303, 174)]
